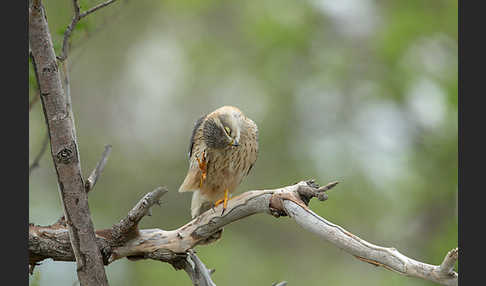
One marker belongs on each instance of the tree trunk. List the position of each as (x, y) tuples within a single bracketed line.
[(64, 151)]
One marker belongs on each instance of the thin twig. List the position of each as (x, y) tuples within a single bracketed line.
[(78, 15), (95, 8), (100, 166), (43, 149), (69, 30)]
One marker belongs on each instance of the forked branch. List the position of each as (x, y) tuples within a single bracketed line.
[(65, 152), (174, 246), (78, 15)]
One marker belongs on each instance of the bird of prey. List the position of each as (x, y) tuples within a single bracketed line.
[(222, 150)]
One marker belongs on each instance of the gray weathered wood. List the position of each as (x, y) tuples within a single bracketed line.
[(197, 271), (386, 257), (173, 246)]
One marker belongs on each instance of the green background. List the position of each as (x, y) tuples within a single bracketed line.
[(364, 92)]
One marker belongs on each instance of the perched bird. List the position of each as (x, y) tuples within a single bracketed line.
[(222, 150)]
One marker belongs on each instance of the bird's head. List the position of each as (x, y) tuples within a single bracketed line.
[(222, 129)]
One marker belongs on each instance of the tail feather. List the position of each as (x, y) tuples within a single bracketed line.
[(191, 182), (199, 204)]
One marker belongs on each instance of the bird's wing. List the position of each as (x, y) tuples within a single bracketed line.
[(253, 158), (194, 130), (191, 181), (193, 178)]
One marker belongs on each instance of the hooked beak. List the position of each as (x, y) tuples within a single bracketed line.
[(234, 143)]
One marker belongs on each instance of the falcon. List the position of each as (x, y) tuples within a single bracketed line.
[(222, 150)]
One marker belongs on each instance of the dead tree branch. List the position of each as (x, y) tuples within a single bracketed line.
[(387, 257), (447, 266), (173, 246), (129, 224), (197, 271), (64, 151), (95, 174)]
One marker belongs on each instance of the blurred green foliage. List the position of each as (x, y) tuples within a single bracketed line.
[(364, 92)]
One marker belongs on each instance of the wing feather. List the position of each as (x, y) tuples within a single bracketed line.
[(253, 129), (194, 130)]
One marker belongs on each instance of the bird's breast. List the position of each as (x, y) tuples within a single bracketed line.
[(226, 169)]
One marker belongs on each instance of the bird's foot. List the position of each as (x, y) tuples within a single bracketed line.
[(223, 201), (203, 167)]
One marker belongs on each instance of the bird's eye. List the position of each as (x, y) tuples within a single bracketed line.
[(228, 130)]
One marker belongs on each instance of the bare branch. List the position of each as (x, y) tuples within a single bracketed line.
[(197, 271), (37, 158), (447, 266), (388, 258), (95, 174), (173, 246), (96, 8), (69, 30), (77, 10), (129, 224), (78, 15)]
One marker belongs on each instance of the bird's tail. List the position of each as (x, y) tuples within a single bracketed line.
[(191, 182), (199, 204)]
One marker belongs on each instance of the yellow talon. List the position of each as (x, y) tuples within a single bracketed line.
[(224, 201)]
